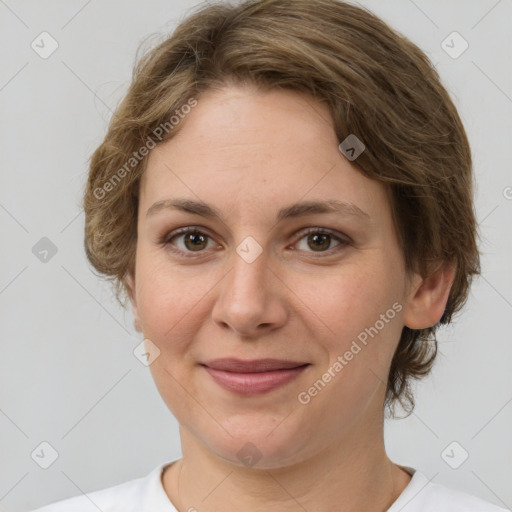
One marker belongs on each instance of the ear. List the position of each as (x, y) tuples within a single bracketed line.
[(130, 285), (428, 296)]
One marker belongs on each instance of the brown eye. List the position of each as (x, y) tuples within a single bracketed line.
[(195, 241), (188, 240), (322, 241), (319, 241)]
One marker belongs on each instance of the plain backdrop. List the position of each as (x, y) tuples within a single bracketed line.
[(68, 376)]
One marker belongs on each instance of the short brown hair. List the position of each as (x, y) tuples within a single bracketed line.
[(377, 84)]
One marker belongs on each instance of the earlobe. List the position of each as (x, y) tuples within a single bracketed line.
[(428, 297), (130, 285)]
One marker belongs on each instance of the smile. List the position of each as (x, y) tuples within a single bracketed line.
[(253, 377)]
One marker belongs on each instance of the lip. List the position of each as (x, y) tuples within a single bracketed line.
[(253, 377), (234, 365)]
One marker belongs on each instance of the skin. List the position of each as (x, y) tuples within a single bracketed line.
[(249, 153)]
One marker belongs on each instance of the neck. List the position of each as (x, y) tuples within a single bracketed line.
[(353, 474)]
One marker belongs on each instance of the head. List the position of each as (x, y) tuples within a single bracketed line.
[(243, 108)]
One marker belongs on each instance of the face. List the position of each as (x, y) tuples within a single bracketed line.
[(322, 289)]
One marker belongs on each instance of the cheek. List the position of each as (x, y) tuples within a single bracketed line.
[(361, 308), (170, 300), (350, 300)]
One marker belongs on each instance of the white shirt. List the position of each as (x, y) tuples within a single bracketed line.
[(147, 494)]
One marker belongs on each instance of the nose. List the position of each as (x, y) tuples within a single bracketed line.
[(251, 300)]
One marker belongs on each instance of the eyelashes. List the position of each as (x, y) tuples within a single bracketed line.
[(198, 238), (196, 243)]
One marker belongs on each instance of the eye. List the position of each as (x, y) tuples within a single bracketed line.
[(191, 239), (320, 240), (187, 240)]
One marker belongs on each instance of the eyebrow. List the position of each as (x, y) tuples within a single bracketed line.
[(295, 210)]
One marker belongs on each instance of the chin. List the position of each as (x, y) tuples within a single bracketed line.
[(258, 444)]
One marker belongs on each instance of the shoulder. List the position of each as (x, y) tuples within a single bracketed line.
[(421, 495), (132, 496), (122, 497)]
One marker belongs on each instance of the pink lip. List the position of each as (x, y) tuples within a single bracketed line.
[(253, 377)]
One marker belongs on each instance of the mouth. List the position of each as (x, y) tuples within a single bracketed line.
[(253, 377)]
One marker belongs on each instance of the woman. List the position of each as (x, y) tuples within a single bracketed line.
[(285, 197)]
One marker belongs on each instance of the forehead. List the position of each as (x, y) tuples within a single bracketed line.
[(241, 144)]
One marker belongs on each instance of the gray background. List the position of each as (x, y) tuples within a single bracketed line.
[(67, 372)]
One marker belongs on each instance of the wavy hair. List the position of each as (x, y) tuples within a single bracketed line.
[(376, 83)]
